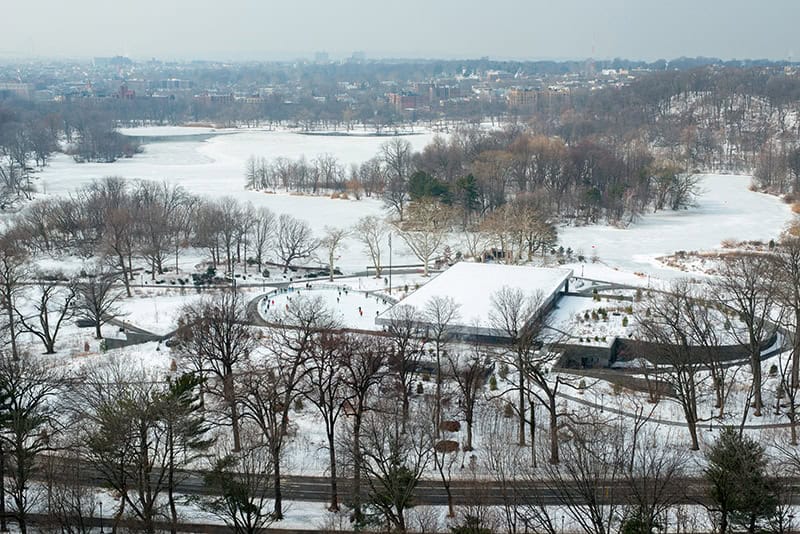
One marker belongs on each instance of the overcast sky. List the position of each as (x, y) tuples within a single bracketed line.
[(503, 29)]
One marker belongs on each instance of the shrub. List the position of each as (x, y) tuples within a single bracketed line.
[(420, 388), (450, 426), (508, 410), (503, 372), (492, 383), (446, 446), (624, 321)]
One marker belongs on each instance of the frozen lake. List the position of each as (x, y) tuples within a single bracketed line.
[(727, 209), (215, 167)]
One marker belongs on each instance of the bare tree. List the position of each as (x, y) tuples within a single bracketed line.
[(13, 272), (267, 396), (124, 440), (747, 285), (653, 479), (240, 482), (511, 312), (53, 306), (788, 271), (406, 351), (30, 420), (263, 232), (216, 338), (468, 370), (396, 155), (586, 482), (361, 364), (97, 298), (294, 241), (425, 229), (671, 346), (439, 315), (394, 462), (331, 242), (372, 232), (327, 392)]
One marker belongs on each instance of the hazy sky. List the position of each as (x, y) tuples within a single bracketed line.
[(286, 29)]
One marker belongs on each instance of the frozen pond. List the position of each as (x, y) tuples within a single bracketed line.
[(215, 166), (727, 209)]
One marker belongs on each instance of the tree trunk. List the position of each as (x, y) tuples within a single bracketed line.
[(755, 364), (173, 512), (357, 469), (11, 327), (277, 510), (533, 433), (125, 275), (3, 524), (520, 367), (230, 398), (553, 431), (334, 507)]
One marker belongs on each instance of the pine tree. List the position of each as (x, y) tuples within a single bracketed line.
[(740, 487)]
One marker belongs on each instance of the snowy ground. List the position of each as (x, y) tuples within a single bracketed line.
[(157, 309)]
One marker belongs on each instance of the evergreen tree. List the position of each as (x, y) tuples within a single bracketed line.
[(739, 486)]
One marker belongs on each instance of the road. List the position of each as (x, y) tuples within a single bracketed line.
[(432, 491)]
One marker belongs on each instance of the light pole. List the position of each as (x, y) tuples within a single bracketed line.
[(101, 516), (390, 262)]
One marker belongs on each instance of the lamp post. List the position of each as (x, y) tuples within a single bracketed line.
[(390, 262), (101, 516)]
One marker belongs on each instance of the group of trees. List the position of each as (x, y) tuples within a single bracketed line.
[(477, 172), (29, 135), (123, 221), (693, 329)]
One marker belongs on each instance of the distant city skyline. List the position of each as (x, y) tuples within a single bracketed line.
[(446, 29)]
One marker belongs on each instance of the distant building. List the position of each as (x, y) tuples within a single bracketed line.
[(521, 97), (171, 84), (215, 98), (321, 57), (124, 93), (20, 90), (404, 100)]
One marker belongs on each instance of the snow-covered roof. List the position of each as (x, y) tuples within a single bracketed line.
[(472, 285)]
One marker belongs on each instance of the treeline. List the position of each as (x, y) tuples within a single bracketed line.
[(477, 172), (710, 118), (30, 134), (123, 221)]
